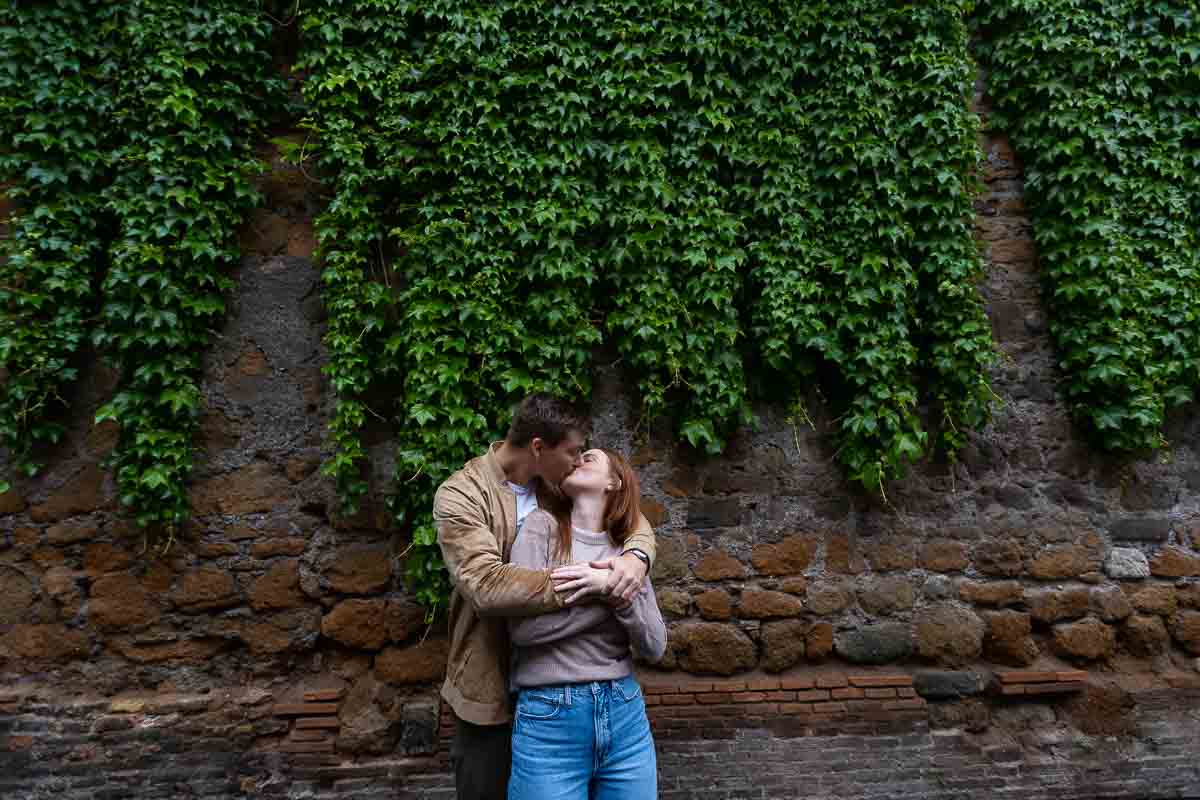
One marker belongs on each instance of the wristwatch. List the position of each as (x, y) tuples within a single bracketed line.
[(641, 555)]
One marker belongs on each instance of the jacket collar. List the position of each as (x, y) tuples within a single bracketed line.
[(492, 464)]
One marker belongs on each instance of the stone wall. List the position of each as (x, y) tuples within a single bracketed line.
[(126, 671)]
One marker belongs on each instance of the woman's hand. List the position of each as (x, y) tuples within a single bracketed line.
[(581, 580)]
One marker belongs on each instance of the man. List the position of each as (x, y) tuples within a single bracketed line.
[(478, 512)]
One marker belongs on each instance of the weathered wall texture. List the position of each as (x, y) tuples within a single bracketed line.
[(125, 672)]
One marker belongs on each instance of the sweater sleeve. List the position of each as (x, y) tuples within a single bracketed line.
[(643, 621), (532, 550)]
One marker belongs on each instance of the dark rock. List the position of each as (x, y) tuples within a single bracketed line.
[(948, 684)]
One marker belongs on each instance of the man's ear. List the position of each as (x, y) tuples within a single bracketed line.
[(536, 446)]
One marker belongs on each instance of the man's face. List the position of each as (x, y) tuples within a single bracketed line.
[(556, 463)]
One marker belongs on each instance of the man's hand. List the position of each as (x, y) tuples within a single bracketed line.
[(628, 572), (582, 580)]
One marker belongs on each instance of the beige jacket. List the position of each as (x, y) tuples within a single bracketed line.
[(476, 518)]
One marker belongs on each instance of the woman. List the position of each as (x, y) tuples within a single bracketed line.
[(580, 731)]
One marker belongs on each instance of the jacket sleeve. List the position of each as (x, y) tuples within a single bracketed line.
[(642, 538), (473, 559), (532, 549)]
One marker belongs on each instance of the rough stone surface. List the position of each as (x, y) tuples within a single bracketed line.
[(206, 589), (1088, 640), (788, 557), (1110, 603), (991, 593), (874, 644), (1185, 628), (948, 684), (1175, 562), (1007, 638), (1144, 636), (1155, 599), (1052, 605), (357, 623), (944, 555), (828, 598), (358, 569), (887, 595), (948, 633), (121, 601), (279, 588), (417, 664), (714, 604), (782, 644), (757, 604), (818, 642), (711, 648), (1062, 561), (998, 558), (718, 566), (1127, 563), (674, 603), (17, 594)]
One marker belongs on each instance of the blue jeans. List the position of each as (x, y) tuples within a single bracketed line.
[(583, 741)]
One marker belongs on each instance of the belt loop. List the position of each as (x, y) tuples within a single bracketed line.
[(567, 694)]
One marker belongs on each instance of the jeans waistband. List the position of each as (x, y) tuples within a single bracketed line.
[(567, 691)]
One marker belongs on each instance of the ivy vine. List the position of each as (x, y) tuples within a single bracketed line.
[(703, 185), (1102, 101), (133, 126)]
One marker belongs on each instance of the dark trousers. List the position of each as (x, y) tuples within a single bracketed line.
[(482, 758)]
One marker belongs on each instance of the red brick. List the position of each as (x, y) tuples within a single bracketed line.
[(691, 687), (795, 708), (749, 697), (1025, 676), (906, 692), (778, 696), (881, 680), (713, 698), (829, 708), (1012, 688), (849, 693), (813, 694), (763, 684), (300, 709), (651, 699), (865, 705), (317, 722), (323, 696), (728, 686), (831, 681), (677, 699), (796, 683), (1071, 675), (309, 735), (881, 694)]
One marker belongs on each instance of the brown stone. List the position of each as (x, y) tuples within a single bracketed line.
[(357, 623), (674, 603), (1063, 561), (102, 438), (818, 642), (216, 549), (1007, 639), (789, 557), (68, 533), (991, 593), (46, 557), (82, 494), (1188, 594), (654, 511), (368, 718), (278, 588), (1088, 639), (62, 584), (206, 589), (402, 619), (827, 598), (708, 648), (841, 554), (782, 644), (1052, 605), (106, 557), (1175, 562), (719, 566), (289, 546), (300, 467), (1145, 636), (26, 537), (255, 488), (263, 638), (890, 554), (16, 596), (121, 601), (759, 604), (794, 585), (186, 650), (944, 555), (359, 569), (1185, 627), (998, 557), (11, 502), (887, 595), (948, 634), (670, 561), (1155, 599), (1012, 251), (715, 604), (420, 663), (46, 642), (1110, 603)]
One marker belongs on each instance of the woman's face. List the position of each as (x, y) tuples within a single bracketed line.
[(593, 475)]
